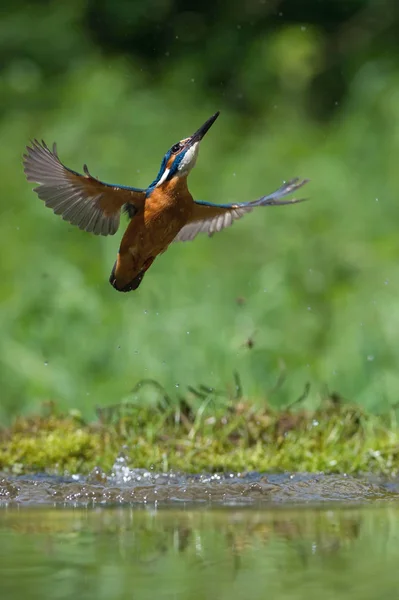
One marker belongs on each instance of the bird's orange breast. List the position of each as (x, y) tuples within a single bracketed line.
[(166, 213), (149, 233)]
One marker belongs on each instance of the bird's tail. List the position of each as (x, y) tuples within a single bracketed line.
[(128, 287), (123, 279)]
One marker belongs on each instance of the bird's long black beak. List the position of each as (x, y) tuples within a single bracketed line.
[(199, 134)]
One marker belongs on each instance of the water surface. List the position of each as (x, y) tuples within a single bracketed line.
[(138, 487), (143, 535)]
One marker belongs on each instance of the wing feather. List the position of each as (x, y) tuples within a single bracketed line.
[(81, 200), (210, 218)]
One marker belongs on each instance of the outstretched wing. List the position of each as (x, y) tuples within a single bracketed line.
[(209, 218), (81, 200)]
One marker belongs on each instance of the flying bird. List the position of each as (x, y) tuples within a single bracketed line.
[(163, 213)]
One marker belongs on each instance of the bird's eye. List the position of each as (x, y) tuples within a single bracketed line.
[(176, 147)]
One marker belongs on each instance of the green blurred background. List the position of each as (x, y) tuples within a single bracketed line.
[(305, 88)]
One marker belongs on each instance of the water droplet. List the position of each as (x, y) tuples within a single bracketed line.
[(386, 281), (370, 358), (177, 385), (46, 363), (376, 199), (188, 333), (303, 28), (192, 80), (309, 308)]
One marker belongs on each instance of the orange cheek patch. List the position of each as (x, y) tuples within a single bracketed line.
[(170, 162)]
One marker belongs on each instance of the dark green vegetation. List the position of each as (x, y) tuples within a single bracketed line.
[(290, 295), (187, 554), (205, 432)]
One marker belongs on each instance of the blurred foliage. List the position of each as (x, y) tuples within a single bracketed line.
[(307, 89)]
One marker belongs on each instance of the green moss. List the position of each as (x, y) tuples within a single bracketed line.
[(238, 437)]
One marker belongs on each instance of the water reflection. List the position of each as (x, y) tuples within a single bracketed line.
[(190, 531), (219, 553)]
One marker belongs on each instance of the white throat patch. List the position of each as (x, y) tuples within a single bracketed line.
[(189, 159)]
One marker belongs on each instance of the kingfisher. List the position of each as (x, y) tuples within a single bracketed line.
[(160, 214)]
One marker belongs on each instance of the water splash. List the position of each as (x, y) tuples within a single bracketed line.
[(147, 487)]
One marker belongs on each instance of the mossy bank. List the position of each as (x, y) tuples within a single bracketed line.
[(232, 436)]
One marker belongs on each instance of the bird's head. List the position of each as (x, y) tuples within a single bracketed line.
[(181, 158)]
